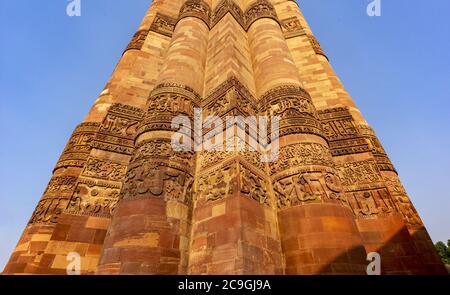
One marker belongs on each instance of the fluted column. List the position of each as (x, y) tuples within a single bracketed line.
[(151, 226), (75, 209), (135, 74), (232, 185), (423, 258), (318, 232), (382, 224)]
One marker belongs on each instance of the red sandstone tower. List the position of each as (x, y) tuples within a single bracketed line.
[(128, 203)]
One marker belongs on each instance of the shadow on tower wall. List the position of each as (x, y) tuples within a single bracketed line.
[(403, 253)]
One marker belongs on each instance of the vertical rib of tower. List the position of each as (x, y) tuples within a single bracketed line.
[(317, 228), (234, 223), (151, 226), (385, 215), (75, 210)]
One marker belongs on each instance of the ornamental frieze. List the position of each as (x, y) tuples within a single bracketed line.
[(118, 126), (338, 124), (366, 189), (342, 133), (167, 101), (156, 170), (79, 146), (93, 200), (348, 147), (163, 24), (260, 9), (228, 6), (48, 211), (126, 111), (117, 131), (231, 94), (368, 132), (371, 203), (288, 106), (253, 186), (201, 10), (103, 169), (196, 8), (170, 103), (292, 27), (403, 202), (218, 184), (179, 89), (301, 154), (316, 45), (157, 180), (383, 161), (357, 173), (60, 185), (138, 40), (217, 158), (293, 105), (308, 187), (161, 149), (287, 98), (229, 178)]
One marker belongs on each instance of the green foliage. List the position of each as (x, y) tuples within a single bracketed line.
[(443, 251)]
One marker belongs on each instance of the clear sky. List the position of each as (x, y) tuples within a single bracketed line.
[(52, 67)]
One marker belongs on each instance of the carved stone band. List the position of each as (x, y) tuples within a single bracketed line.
[(200, 9), (167, 101), (165, 25), (79, 146)]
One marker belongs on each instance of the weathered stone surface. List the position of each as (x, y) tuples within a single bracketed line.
[(128, 203)]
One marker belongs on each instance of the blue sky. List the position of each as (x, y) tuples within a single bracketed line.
[(52, 67)]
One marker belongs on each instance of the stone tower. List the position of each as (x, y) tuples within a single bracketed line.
[(128, 203)]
